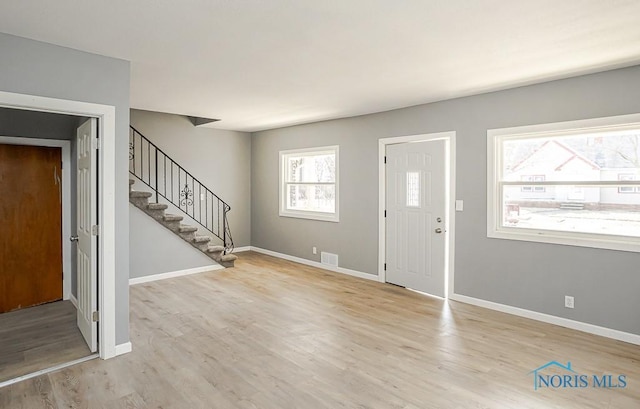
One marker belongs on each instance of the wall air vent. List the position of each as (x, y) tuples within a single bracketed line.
[(329, 259)]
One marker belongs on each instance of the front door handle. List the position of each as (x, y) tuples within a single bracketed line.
[(438, 230), (73, 238)]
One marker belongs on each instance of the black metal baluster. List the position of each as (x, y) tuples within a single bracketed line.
[(140, 156), (224, 231), (156, 189)]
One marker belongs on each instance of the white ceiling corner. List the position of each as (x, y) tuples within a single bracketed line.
[(264, 64)]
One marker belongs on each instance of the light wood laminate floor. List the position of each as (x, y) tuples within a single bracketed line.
[(275, 334), (39, 337)]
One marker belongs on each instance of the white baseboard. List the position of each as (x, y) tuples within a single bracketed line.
[(241, 249), (123, 348), (316, 264), (172, 274), (73, 300), (550, 319)]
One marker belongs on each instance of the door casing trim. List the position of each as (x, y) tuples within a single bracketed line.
[(106, 115), (450, 148)]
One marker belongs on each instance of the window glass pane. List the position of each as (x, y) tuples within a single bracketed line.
[(317, 198), (413, 189), (581, 209), (586, 157), (311, 168), (294, 169)]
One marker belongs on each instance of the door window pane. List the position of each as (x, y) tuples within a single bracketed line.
[(413, 189)]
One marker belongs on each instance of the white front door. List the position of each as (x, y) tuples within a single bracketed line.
[(87, 269), (415, 222)]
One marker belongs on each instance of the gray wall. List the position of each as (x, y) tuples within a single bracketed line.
[(532, 276), (36, 68), (220, 159), (155, 250), (33, 124)]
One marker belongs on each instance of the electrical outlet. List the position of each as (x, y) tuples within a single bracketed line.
[(314, 250), (568, 301)]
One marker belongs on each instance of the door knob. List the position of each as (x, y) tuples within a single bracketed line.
[(73, 238), (438, 230)]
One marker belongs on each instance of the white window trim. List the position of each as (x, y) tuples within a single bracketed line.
[(301, 214), (494, 209)]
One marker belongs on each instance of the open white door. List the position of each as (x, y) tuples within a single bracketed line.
[(416, 208), (87, 270)]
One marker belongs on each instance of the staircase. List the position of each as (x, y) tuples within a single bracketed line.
[(169, 185)]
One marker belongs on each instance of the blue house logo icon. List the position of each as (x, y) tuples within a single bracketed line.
[(540, 380), (562, 376)]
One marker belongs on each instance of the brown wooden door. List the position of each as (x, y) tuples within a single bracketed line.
[(30, 226)]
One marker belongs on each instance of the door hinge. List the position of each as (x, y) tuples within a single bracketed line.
[(95, 230), (95, 317), (385, 213), (385, 159), (95, 143), (385, 266)]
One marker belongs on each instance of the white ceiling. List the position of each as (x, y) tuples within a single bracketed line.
[(260, 64)]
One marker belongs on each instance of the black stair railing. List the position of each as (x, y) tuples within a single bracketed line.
[(153, 167)]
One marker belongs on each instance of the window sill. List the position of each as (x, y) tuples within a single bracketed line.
[(619, 243), (324, 217)]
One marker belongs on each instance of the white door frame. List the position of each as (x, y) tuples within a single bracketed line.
[(106, 115), (450, 149), (66, 198)]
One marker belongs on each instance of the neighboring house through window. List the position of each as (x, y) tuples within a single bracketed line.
[(309, 183), (566, 183)]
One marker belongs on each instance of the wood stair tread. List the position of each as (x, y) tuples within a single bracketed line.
[(172, 218), (228, 257), (138, 193), (157, 206)]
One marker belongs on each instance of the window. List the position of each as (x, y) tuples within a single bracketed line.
[(309, 183), (628, 189), (413, 189), (532, 178), (566, 183)]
